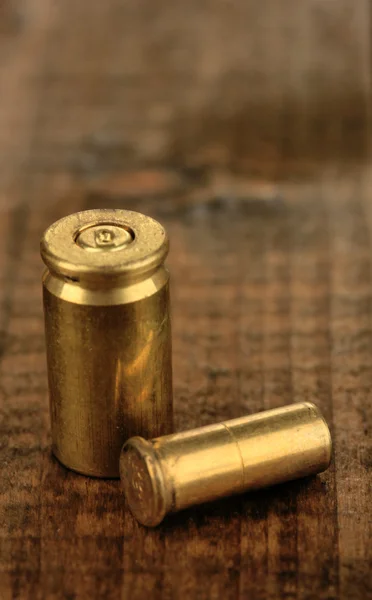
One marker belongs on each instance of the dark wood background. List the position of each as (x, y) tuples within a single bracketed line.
[(244, 127)]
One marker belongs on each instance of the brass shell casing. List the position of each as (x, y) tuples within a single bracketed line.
[(176, 471), (108, 337)]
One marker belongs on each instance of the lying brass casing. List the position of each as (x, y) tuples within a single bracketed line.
[(173, 472), (108, 340)]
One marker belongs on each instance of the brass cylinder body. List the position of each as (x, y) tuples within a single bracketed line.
[(180, 470), (108, 339)]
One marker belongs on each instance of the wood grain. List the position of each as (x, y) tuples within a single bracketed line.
[(246, 129)]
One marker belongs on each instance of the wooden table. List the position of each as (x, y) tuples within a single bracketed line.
[(245, 127)]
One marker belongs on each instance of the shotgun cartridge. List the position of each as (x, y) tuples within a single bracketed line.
[(176, 471), (108, 338)]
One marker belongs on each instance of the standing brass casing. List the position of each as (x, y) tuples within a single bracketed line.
[(176, 471), (108, 339)]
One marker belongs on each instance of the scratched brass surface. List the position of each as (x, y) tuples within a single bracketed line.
[(174, 472), (107, 322)]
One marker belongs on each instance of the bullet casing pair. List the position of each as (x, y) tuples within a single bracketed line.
[(108, 341)]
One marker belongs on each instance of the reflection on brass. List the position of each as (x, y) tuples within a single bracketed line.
[(173, 472), (107, 321)]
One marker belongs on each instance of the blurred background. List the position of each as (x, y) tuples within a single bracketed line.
[(245, 128), (204, 89)]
